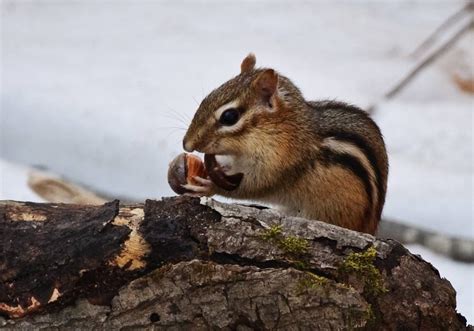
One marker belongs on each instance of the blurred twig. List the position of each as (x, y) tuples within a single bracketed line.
[(392, 92), (440, 29), (429, 59)]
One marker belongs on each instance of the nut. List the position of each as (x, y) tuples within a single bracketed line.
[(182, 170), (185, 166)]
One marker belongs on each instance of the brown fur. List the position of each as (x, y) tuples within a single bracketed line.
[(279, 145)]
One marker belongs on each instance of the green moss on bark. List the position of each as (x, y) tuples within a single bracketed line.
[(361, 265)]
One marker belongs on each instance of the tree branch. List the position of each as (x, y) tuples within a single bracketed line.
[(446, 24), (430, 58), (188, 263)]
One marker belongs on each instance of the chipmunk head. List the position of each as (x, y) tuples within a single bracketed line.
[(233, 117)]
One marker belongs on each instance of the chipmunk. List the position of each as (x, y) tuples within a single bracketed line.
[(322, 160)]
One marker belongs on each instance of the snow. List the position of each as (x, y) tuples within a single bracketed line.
[(431, 170), (102, 92), (13, 183)]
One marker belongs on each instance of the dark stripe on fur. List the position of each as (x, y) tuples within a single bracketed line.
[(365, 148), (349, 162)]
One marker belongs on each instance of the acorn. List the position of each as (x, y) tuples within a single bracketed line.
[(182, 170), (185, 166)]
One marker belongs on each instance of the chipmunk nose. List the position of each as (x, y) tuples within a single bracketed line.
[(188, 145)]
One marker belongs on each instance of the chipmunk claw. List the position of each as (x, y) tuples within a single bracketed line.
[(203, 181)]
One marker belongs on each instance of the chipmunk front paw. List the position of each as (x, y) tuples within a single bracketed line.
[(200, 187)]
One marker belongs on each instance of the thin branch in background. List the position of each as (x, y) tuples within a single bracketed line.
[(429, 59), (424, 63), (440, 29)]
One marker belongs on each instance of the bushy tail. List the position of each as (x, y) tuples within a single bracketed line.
[(458, 249)]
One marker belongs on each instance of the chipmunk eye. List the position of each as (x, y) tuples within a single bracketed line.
[(229, 117)]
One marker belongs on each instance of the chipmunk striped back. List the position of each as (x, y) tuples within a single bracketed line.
[(350, 139)]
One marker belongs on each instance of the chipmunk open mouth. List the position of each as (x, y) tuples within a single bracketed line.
[(216, 172)]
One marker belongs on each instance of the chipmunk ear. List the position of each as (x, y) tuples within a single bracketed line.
[(248, 63), (266, 84)]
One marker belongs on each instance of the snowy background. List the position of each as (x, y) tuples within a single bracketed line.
[(101, 92)]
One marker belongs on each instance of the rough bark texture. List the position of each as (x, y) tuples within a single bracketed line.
[(186, 263)]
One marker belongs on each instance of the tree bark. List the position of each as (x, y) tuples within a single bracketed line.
[(189, 263)]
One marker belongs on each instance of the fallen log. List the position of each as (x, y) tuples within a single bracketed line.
[(182, 263)]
